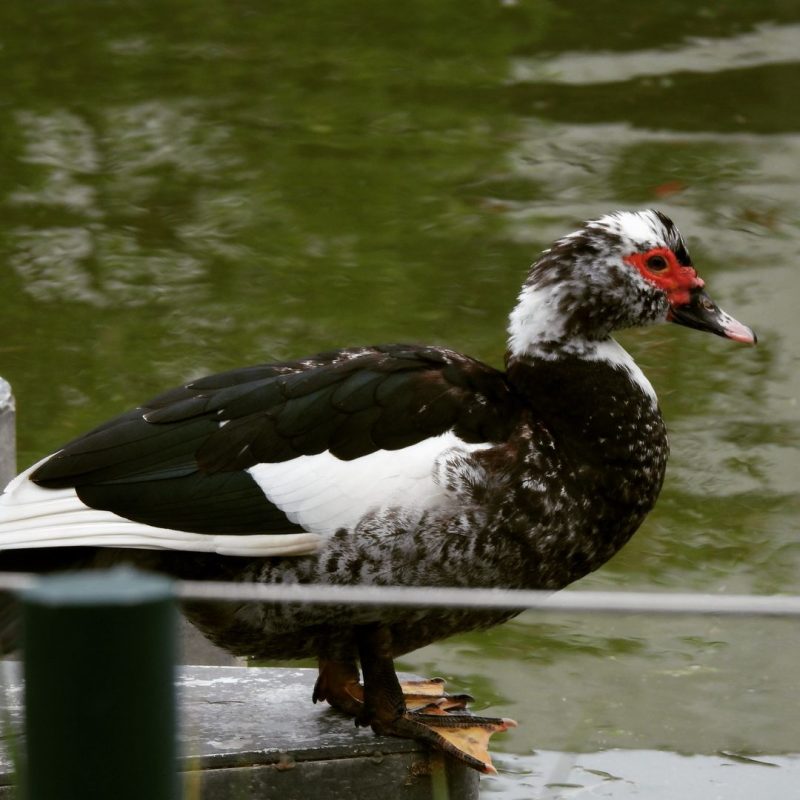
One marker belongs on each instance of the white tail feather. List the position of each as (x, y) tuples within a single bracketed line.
[(33, 517)]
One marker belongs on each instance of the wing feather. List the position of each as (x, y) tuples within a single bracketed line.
[(285, 448)]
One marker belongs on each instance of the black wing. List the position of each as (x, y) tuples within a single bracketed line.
[(179, 460)]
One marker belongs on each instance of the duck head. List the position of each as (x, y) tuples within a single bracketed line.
[(626, 269)]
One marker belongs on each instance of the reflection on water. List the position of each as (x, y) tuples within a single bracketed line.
[(599, 683), (199, 186), (619, 775), (764, 44), (123, 253)]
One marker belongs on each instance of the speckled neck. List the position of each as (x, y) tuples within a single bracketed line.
[(584, 288), (601, 433)]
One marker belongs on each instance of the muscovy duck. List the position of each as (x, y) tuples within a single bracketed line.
[(396, 464)]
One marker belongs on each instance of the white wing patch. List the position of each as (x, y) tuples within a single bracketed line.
[(323, 493)]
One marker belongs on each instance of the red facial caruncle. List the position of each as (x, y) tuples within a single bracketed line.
[(661, 267)]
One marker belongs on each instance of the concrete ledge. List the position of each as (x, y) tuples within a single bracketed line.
[(391, 776), (254, 733)]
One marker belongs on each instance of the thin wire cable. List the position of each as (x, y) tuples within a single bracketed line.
[(574, 602), (564, 602)]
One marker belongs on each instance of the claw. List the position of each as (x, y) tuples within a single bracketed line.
[(420, 693), (416, 694)]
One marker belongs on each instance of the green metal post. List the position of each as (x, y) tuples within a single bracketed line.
[(99, 650)]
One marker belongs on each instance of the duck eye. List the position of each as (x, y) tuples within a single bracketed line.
[(656, 263)]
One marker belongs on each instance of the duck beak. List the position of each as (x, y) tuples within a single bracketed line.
[(702, 313)]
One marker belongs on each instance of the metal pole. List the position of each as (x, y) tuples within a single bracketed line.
[(8, 439), (99, 651)]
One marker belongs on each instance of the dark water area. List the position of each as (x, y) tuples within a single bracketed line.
[(189, 187)]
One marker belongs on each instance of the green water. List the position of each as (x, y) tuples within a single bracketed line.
[(187, 187)]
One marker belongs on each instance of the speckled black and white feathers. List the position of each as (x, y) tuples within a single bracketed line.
[(580, 291), (397, 464), (556, 500)]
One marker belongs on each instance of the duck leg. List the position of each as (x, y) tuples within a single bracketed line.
[(337, 683), (463, 736)]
